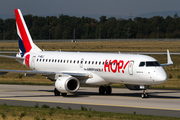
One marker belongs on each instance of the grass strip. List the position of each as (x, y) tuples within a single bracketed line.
[(46, 113)]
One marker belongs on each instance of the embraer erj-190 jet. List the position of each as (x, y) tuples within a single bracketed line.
[(70, 69)]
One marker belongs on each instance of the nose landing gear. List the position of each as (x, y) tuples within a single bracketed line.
[(144, 94)]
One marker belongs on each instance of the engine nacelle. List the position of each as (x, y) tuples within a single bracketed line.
[(67, 84), (137, 87)]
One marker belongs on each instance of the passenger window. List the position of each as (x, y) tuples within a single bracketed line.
[(40, 60), (74, 61), (67, 61), (49, 60), (142, 64), (46, 60), (77, 61), (103, 63), (37, 60), (89, 62), (85, 62), (55, 60), (52, 60), (96, 62), (64, 61), (43, 60), (58, 61), (99, 63), (92, 62)]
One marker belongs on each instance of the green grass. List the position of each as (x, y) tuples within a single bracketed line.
[(102, 46), (46, 113)]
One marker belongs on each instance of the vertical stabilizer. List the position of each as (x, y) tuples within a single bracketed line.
[(25, 41)]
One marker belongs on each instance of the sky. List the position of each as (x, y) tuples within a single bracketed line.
[(87, 7)]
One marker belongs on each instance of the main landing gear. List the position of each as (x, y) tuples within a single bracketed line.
[(144, 94), (57, 93), (103, 89)]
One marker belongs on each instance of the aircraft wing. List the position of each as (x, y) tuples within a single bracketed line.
[(169, 61), (30, 73)]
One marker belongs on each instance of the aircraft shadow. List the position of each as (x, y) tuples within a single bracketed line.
[(161, 95)]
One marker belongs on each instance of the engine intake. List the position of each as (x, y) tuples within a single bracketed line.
[(67, 84)]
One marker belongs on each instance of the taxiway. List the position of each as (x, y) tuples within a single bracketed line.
[(159, 103)]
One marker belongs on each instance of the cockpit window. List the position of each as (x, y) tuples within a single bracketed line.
[(142, 64), (149, 64), (152, 63)]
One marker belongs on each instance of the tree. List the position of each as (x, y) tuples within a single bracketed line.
[(103, 19)]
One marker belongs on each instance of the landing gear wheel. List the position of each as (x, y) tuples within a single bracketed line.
[(102, 90), (63, 94), (56, 92), (108, 90), (144, 94)]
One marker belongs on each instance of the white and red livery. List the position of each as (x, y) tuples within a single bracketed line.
[(71, 69)]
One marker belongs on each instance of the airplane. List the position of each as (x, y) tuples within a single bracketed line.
[(69, 70)]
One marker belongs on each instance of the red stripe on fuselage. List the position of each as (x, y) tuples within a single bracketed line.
[(22, 31)]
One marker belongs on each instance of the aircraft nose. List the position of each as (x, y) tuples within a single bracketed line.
[(161, 76)]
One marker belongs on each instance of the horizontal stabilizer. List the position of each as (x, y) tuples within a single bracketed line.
[(11, 57), (27, 72)]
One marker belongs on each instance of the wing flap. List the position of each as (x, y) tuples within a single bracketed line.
[(50, 75)]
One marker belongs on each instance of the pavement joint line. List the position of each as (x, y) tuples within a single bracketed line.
[(90, 104)]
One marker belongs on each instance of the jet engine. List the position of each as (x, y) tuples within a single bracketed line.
[(137, 87), (67, 84)]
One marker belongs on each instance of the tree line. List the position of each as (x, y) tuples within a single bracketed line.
[(67, 27)]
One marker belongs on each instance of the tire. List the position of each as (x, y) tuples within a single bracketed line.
[(142, 95), (101, 90), (146, 95), (56, 92), (108, 90)]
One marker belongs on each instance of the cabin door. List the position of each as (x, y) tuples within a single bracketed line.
[(130, 67), (33, 62)]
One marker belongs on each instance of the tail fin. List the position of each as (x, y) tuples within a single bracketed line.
[(25, 41)]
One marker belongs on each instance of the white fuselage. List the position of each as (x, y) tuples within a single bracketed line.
[(121, 68)]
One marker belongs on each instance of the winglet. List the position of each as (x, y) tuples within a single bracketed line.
[(169, 61)]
